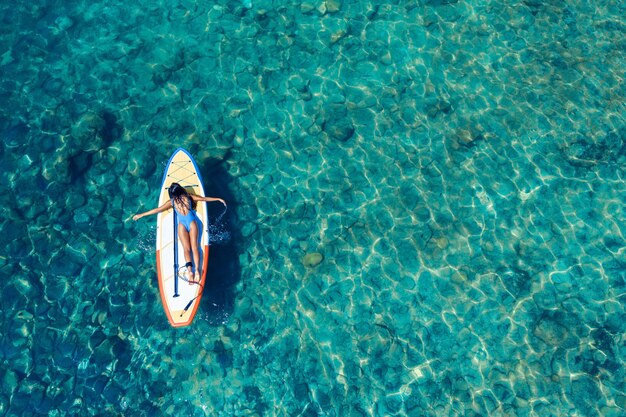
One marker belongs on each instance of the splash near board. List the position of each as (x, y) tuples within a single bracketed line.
[(180, 298)]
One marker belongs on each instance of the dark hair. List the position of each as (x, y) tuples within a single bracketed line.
[(178, 193)]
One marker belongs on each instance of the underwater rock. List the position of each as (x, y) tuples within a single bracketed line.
[(434, 106), (518, 282), (55, 288), (307, 6), (62, 23), (313, 259), (9, 382), (140, 166), (53, 86), (333, 6), (15, 135), (62, 265), (467, 138), (603, 340), (87, 132), (584, 394), (103, 352), (82, 247), (81, 216), (423, 213), (337, 124), (22, 363), (249, 229), (112, 392), (29, 207), (298, 83), (239, 139), (245, 307), (80, 163), (75, 200), (586, 152), (394, 404), (550, 331), (57, 169), (583, 154)]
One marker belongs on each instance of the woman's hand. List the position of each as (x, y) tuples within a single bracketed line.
[(137, 217)]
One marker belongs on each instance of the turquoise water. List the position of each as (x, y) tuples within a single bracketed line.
[(426, 207)]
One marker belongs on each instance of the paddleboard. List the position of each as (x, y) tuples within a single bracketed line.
[(179, 298)]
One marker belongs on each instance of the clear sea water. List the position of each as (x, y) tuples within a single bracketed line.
[(426, 207)]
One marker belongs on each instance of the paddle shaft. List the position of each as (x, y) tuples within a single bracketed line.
[(175, 254)]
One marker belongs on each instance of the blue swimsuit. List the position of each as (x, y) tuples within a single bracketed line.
[(186, 219)]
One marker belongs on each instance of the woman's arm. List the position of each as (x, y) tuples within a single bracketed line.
[(166, 206), (207, 199)]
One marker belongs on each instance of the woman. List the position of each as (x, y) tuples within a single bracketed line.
[(184, 204)]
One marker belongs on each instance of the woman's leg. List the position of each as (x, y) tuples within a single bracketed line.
[(193, 237), (183, 236)]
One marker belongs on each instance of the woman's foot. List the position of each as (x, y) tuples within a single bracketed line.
[(188, 274), (196, 278)]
